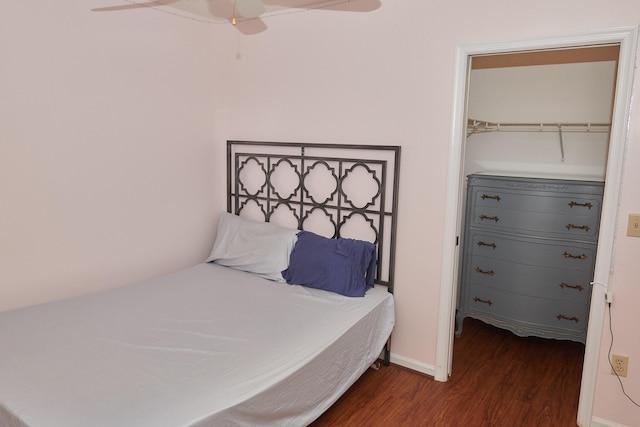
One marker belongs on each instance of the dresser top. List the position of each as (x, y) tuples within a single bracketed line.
[(537, 184)]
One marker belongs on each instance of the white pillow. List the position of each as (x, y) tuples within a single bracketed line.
[(257, 247)]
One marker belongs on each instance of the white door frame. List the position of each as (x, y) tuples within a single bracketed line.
[(627, 38)]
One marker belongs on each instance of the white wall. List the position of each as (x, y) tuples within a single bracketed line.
[(113, 130), (106, 148)]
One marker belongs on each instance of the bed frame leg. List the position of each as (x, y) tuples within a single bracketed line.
[(387, 353)]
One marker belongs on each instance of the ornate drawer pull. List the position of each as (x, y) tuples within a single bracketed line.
[(578, 287), (492, 218), (491, 245), (586, 205), (568, 255), (485, 301), (563, 317), (496, 198), (581, 227), (481, 271)]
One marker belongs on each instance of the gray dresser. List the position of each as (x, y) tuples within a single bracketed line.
[(529, 250)]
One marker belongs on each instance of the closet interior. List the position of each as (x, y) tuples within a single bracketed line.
[(536, 153)]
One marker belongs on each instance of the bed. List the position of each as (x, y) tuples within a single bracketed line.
[(226, 342)]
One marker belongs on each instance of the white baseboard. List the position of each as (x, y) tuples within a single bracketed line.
[(599, 422), (414, 365)]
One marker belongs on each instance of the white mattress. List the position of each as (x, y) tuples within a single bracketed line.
[(205, 346)]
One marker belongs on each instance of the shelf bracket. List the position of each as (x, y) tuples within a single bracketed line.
[(561, 142)]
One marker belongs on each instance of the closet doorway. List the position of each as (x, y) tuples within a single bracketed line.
[(609, 162)]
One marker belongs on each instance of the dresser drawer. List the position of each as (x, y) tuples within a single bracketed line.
[(523, 279), (569, 226), (554, 195), (538, 201), (536, 313), (527, 250)]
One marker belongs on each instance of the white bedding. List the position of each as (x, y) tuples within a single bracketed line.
[(206, 346)]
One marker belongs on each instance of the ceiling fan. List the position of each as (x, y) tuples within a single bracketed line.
[(234, 11), (242, 8)]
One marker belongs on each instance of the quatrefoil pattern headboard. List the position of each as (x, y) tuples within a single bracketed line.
[(335, 190)]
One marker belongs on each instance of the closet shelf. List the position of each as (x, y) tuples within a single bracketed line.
[(480, 126)]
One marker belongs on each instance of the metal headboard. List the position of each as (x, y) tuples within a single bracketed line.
[(336, 190)]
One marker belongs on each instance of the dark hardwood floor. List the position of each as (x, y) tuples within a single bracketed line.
[(498, 379)]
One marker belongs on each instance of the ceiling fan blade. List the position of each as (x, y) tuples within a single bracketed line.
[(249, 8), (134, 5)]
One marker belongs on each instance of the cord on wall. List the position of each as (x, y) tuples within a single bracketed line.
[(609, 355)]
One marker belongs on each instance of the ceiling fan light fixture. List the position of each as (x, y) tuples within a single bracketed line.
[(233, 17)]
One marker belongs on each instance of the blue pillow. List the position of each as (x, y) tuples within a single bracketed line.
[(344, 266)]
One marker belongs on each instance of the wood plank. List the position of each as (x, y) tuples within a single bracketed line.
[(547, 57)]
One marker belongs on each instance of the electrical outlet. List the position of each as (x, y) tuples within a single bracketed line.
[(619, 365), (633, 228)]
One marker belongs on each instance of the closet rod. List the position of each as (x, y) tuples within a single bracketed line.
[(481, 126)]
